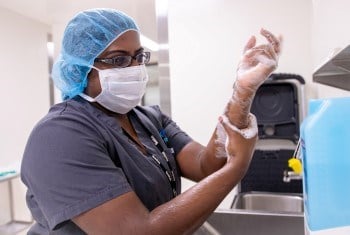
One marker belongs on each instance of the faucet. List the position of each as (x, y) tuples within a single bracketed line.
[(295, 164), (291, 175)]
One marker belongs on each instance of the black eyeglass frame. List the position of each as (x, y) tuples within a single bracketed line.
[(113, 61)]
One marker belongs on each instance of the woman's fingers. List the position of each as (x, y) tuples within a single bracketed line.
[(263, 54), (271, 50), (266, 49), (280, 39), (272, 39), (259, 61), (250, 44), (236, 144), (230, 144)]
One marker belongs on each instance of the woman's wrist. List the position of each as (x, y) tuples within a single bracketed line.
[(244, 89), (238, 107), (225, 129), (248, 132)]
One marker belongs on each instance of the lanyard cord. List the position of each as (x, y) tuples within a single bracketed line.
[(169, 174)]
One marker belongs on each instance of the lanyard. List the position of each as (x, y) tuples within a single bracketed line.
[(169, 173)]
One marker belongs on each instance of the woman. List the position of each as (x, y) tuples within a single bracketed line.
[(99, 164)]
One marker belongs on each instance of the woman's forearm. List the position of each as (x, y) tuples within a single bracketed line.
[(185, 213), (213, 157), (238, 107)]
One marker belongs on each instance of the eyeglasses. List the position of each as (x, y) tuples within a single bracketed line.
[(122, 61)]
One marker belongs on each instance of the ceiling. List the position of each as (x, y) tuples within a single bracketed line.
[(60, 11)]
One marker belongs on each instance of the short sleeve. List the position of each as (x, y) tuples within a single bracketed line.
[(68, 169), (176, 136)]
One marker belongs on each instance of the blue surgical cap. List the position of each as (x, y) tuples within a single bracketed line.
[(86, 36)]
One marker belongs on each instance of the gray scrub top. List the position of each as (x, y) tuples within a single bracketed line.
[(78, 157)]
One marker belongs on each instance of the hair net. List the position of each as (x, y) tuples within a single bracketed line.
[(86, 36)]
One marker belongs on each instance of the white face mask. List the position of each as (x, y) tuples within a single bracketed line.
[(122, 88)]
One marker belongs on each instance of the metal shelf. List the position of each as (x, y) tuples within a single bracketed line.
[(13, 226), (336, 71)]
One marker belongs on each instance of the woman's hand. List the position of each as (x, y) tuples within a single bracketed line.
[(239, 147), (258, 61)]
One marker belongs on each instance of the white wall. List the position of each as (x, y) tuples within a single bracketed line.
[(24, 94), (330, 31), (206, 40)]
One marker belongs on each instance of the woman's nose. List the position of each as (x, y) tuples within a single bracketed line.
[(134, 62)]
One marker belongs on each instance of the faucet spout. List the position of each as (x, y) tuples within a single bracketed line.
[(291, 175)]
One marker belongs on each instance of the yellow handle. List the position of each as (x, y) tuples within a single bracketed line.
[(295, 164)]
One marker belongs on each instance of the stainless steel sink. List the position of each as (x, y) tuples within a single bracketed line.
[(256, 213), (269, 202)]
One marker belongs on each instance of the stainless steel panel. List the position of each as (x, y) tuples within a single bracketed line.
[(258, 213), (242, 222), (336, 71), (163, 55), (269, 202)]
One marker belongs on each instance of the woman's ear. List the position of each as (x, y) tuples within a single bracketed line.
[(93, 87)]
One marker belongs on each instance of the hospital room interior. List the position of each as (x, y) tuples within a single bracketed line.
[(302, 110)]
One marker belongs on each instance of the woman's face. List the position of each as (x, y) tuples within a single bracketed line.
[(126, 44)]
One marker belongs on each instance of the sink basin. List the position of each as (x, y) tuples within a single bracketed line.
[(269, 202), (243, 222), (258, 213)]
